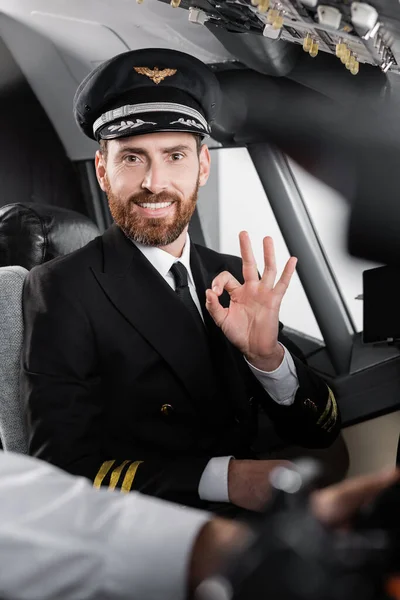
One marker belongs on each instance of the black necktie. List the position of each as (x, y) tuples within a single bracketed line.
[(180, 275)]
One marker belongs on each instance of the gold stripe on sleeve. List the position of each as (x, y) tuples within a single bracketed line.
[(104, 469), (327, 409), (334, 404), (329, 423), (130, 476), (116, 474)]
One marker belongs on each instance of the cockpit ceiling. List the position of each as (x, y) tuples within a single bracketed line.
[(219, 31)]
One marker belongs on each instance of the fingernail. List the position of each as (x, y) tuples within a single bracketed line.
[(215, 289)]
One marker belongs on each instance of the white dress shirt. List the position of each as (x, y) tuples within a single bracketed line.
[(60, 539), (281, 384)]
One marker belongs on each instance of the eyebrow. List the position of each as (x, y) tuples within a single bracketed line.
[(144, 152)]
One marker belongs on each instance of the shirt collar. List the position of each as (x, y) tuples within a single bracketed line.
[(162, 261)]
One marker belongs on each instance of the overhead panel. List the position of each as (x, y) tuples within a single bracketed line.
[(356, 32)]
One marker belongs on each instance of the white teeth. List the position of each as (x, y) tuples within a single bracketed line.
[(155, 205)]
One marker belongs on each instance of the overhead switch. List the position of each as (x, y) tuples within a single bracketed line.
[(363, 16), (329, 16)]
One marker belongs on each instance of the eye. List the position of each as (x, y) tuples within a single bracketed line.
[(176, 156), (131, 158)]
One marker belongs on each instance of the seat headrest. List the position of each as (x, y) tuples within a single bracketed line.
[(32, 234)]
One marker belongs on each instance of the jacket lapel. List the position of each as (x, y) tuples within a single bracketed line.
[(148, 303)]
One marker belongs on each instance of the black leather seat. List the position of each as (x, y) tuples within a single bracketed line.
[(31, 233)]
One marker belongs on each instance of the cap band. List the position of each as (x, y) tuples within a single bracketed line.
[(149, 107)]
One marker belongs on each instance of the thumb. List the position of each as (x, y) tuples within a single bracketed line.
[(217, 312)]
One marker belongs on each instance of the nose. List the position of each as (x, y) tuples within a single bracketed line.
[(155, 180)]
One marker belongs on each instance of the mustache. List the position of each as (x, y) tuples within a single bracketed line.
[(153, 198)]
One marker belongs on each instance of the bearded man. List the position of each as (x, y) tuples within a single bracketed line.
[(147, 358)]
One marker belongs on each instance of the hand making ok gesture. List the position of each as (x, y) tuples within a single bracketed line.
[(251, 322)]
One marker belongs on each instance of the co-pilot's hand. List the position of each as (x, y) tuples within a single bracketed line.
[(338, 504), (251, 322), (335, 506)]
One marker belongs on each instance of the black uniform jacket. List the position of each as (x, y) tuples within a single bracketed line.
[(122, 388)]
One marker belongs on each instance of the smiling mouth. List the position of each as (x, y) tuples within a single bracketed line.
[(155, 205)]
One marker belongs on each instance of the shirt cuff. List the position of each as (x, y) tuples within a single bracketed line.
[(282, 383), (213, 485)]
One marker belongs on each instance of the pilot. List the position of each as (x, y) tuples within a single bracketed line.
[(148, 358)]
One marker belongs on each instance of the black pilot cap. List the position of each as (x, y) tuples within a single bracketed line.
[(147, 91)]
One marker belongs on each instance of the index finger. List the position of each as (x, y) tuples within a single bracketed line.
[(250, 272)]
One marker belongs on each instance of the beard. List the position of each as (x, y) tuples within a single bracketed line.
[(159, 231)]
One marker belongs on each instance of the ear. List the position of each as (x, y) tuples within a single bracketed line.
[(100, 164), (205, 165)]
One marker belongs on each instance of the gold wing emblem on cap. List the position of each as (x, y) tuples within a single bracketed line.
[(155, 74)]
